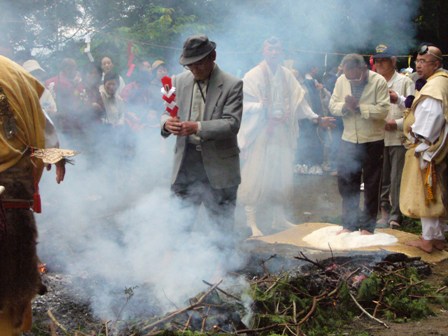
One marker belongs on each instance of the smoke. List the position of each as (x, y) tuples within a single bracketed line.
[(310, 29), (113, 225)]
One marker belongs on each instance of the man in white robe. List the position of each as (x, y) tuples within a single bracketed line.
[(273, 104)]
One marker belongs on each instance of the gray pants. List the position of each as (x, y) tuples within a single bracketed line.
[(390, 182), (193, 188)]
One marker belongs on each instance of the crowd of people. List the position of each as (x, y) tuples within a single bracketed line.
[(386, 139), (387, 131), (94, 106)]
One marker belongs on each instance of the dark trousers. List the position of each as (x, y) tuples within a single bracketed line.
[(193, 188), (390, 190), (310, 148), (356, 161)]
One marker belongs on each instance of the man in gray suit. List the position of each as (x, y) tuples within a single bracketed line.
[(206, 163)]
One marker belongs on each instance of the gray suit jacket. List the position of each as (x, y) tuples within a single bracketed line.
[(219, 128)]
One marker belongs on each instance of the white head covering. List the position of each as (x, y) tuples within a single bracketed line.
[(32, 65)]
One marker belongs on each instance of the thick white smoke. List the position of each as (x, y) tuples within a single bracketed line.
[(113, 224)]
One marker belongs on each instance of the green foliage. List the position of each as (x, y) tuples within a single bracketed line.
[(411, 225), (370, 288), (320, 308), (287, 300), (401, 294)]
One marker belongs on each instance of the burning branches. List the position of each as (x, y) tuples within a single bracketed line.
[(207, 313), (322, 298), (194, 305)]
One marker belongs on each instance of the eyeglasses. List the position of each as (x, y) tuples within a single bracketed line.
[(197, 64), (422, 61), (424, 49)]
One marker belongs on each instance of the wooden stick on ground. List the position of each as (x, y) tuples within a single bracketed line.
[(366, 312), (60, 326), (107, 327), (187, 324), (310, 312), (305, 258), (249, 331), (183, 310), (222, 291)]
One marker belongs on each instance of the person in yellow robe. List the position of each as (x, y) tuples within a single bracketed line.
[(22, 130), (423, 186)]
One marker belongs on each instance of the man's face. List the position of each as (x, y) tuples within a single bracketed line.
[(273, 53), (314, 71), (111, 87), (106, 64), (384, 66), (354, 74), (161, 72), (426, 65), (202, 69)]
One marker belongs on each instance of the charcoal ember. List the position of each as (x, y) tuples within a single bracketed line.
[(396, 261), (357, 280), (223, 318), (396, 257), (422, 267)]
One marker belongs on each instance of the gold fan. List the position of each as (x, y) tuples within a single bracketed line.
[(53, 155)]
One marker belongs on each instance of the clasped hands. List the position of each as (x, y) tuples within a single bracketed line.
[(182, 128), (351, 103), (391, 125)]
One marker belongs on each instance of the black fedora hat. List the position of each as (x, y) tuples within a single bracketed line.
[(195, 48)]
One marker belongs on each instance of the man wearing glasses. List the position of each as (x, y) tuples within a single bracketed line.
[(206, 163), (423, 187)]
